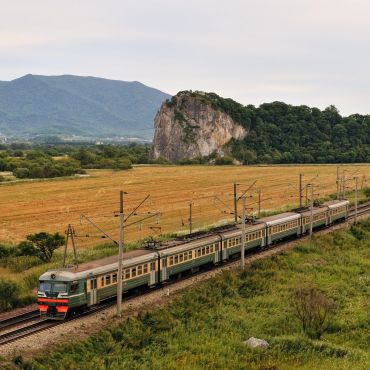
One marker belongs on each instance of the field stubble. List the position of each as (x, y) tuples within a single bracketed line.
[(30, 207)]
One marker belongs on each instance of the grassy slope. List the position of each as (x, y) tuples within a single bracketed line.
[(206, 325)]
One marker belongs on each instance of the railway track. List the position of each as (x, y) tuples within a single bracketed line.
[(19, 319), (45, 324)]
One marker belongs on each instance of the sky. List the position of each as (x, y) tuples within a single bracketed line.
[(308, 52)]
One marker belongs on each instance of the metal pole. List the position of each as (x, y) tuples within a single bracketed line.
[(190, 217), (243, 234), (120, 257), (259, 203), (235, 205), (337, 182), (311, 211), (300, 190), (356, 198), (344, 185)]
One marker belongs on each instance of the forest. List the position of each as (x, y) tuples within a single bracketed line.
[(56, 160), (283, 133)]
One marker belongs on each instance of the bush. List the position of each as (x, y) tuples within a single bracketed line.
[(21, 173), (9, 295), (224, 161), (312, 308)]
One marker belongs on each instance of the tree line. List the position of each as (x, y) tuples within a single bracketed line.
[(283, 133)]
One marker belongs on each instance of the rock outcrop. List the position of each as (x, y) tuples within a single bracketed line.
[(190, 126)]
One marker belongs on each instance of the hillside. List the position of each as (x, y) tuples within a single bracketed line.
[(73, 105), (276, 132), (206, 327)]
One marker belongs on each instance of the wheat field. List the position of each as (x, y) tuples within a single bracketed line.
[(33, 206)]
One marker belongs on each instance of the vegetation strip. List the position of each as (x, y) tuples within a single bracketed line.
[(207, 325)]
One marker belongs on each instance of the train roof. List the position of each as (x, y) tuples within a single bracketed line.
[(315, 210), (336, 203), (280, 218), (100, 266)]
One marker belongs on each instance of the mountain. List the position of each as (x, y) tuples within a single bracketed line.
[(74, 105), (192, 125)]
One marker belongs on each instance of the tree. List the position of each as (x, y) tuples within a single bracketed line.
[(45, 244), (312, 308)]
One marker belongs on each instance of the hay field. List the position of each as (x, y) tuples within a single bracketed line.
[(29, 207)]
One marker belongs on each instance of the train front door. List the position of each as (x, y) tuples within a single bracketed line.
[(93, 291)]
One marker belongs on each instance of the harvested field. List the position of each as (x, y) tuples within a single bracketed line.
[(28, 207)]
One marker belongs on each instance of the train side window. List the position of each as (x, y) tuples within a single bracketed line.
[(190, 255), (91, 284), (114, 278), (207, 250), (102, 281), (127, 274), (181, 257), (185, 256), (199, 252), (140, 270), (171, 261), (107, 279), (203, 251), (74, 287), (211, 249), (176, 260), (133, 272), (146, 268)]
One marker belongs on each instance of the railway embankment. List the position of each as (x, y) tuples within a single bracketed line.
[(217, 315)]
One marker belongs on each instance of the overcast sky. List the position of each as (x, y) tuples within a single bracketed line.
[(299, 51)]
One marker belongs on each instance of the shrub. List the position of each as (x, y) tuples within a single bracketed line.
[(9, 295), (224, 160), (312, 308)]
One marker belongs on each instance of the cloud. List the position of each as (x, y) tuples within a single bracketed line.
[(304, 52)]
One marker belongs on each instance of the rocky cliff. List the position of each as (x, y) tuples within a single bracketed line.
[(191, 125)]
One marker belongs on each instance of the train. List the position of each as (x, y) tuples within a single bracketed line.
[(63, 293)]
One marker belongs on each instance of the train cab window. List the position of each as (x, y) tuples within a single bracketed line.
[(114, 278), (107, 279), (146, 268), (102, 281), (127, 274), (140, 270), (44, 287), (133, 272), (74, 286)]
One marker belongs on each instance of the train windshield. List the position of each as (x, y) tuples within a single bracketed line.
[(52, 287)]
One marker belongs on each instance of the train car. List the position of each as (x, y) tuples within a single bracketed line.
[(338, 210), (320, 216), (231, 240), (188, 256), (64, 292), (282, 226)]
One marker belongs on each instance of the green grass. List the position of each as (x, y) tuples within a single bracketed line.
[(206, 325)]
